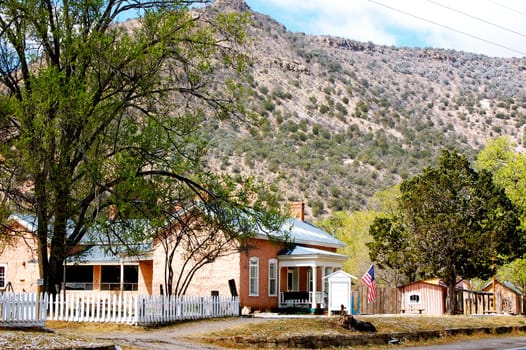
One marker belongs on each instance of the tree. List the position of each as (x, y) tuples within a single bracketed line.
[(514, 272), (508, 168), (97, 114), (353, 230), (391, 248), (456, 222)]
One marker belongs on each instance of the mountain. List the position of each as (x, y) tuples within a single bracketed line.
[(343, 119)]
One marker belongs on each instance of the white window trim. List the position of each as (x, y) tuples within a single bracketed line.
[(253, 278), (5, 276), (412, 301), (275, 278)]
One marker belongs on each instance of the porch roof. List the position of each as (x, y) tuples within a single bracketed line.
[(300, 255), (96, 254)]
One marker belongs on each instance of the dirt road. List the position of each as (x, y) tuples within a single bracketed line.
[(177, 337)]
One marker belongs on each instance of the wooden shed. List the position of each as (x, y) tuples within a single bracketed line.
[(426, 297), (509, 298), (339, 291)]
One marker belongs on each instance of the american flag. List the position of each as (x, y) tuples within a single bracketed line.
[(368, 279)]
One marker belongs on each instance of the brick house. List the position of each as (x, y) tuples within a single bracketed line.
[(265, 276)]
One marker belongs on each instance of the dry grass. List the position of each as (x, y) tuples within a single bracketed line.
[(384, 324)]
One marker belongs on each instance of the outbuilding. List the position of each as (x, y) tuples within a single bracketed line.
[(339, 289)]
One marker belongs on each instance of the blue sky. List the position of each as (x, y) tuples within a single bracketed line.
[(490, 27)]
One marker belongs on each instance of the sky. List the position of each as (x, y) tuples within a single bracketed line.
[(490, 27)]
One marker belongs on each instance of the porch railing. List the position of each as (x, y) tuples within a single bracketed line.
[(301, 299)]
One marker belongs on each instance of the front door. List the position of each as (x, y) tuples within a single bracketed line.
[(292, 279)]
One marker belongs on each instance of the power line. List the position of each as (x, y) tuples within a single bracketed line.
[(449, 28), (477, 18), (508, 8)]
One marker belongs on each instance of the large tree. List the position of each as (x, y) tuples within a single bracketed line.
[(97, 114), (508, 168), (456, 222)]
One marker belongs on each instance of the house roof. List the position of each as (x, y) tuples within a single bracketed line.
[(295, 230), (303, 232)]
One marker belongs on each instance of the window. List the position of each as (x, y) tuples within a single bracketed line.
[(131, 277), (111, 277), (254, 276), (272, 277), (414, 299), (3, 275), (79, 277)]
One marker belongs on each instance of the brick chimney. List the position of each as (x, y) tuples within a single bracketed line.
[(298, 210)]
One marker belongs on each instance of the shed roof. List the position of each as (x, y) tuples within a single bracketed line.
[(506, 284)]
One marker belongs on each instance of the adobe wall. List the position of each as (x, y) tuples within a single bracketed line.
[(20, 255), (211, 277)]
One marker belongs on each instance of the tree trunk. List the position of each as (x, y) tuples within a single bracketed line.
[(42, 230), (451, 293)]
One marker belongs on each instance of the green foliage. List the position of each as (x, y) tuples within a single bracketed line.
[(353, 230), (455, 221), (119, 128), (514, 272), (508, 168)]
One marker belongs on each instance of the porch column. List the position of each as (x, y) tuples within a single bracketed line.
[(314, 287), (279, 284), (323, 267), (121, 282)]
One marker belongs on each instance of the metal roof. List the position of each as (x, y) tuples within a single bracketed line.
[(303, 232), (300, 251), (100, 254)]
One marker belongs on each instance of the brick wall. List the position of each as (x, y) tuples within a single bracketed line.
[(264, 250)]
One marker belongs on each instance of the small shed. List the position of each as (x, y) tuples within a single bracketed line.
[(339, 291), (426, 297), (509, 297)]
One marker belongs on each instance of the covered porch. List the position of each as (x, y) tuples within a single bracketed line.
[(301, 280)]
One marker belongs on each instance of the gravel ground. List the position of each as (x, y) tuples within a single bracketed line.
[(39, 340)]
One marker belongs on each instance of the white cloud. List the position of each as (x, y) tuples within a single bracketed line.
[(425, 21)]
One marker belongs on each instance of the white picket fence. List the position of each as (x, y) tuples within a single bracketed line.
[(26, 309), (23, 310)]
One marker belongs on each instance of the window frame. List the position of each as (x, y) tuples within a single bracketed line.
[(413, 296), (3, 283), (271, 286), (253, 276)]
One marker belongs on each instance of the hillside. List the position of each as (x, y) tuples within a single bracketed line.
[(345, 119)]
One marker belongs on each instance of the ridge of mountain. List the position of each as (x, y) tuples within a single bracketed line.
[(343, 119)]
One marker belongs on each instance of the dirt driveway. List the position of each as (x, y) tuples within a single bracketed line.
[(176, 337)]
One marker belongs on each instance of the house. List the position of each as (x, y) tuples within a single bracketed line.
[(509, 298), (426, 297), (19, 270), (267, 275)]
